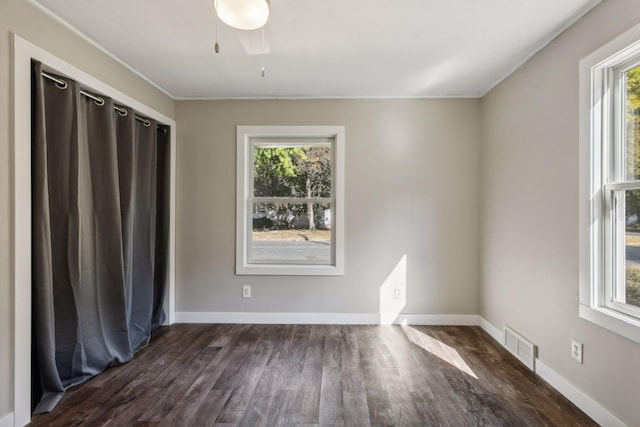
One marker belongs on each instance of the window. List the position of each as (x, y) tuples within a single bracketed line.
[(610, 180), (290, 202)]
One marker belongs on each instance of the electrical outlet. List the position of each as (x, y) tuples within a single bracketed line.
[(246, 291), (399, 292), (576, 350)]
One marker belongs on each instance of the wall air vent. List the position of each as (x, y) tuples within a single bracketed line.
[(520, 347)]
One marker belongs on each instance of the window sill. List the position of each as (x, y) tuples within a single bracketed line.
[(289, 270), (621, 324)]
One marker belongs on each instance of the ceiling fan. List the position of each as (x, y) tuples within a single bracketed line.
[(249, 18)]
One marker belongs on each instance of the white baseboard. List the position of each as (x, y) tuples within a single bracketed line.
[(578, 397), (490, 329), (589, 406), (328, 318), (272, 318), (7, 420), (433, 319)]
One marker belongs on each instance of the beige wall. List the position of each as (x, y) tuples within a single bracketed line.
[(530, 214), (20, 17), (411, 189)]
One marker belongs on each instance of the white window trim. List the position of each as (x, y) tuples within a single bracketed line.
[(243, 194), (595, 115)]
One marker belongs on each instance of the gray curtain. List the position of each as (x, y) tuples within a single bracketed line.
[(100, 236)]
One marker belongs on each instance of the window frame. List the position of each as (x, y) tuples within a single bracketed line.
[(247, 138), (603, 184)]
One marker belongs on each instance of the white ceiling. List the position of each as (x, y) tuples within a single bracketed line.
[(325, 48)]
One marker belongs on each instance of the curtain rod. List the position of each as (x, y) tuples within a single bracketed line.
[(62, 84)]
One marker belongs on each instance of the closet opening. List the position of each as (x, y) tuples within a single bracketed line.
[(95, 207)]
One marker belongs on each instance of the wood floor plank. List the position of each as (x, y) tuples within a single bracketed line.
[(262, 399), (243, 375), (200, 395), (209, 409), (296, 347), (315, 348), (283, 410), (425, 404), (402, 401), (178, 388), (356, 409), (317, 375), (381, 410), (352, 374), (307, 400), (331, 399), (332, 352)]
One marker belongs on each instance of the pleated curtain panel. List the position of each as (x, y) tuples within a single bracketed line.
[(100, 234)]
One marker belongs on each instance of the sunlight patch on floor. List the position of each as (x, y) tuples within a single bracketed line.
[(438, 349)]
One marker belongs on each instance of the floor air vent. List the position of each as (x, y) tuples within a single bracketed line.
[(520, 347)]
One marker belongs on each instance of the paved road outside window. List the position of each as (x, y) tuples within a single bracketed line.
[(309, 251)]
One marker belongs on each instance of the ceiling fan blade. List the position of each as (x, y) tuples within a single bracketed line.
[(255, 42)]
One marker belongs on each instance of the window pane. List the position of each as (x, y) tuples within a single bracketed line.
[(291, 233), (632, 125), (300, 171), (632, 248)]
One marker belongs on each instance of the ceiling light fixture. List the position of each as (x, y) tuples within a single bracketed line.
[(243, 14)]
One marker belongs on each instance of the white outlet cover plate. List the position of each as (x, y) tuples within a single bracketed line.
[(576, 350)]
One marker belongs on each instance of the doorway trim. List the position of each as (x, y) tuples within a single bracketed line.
[(23, 53)]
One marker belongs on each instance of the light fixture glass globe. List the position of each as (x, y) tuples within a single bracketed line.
[(243, 14)]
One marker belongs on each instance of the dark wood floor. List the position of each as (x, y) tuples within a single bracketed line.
[(269, 375)]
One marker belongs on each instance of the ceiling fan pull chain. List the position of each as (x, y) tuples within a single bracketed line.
[(215, 12), (262, 56)]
